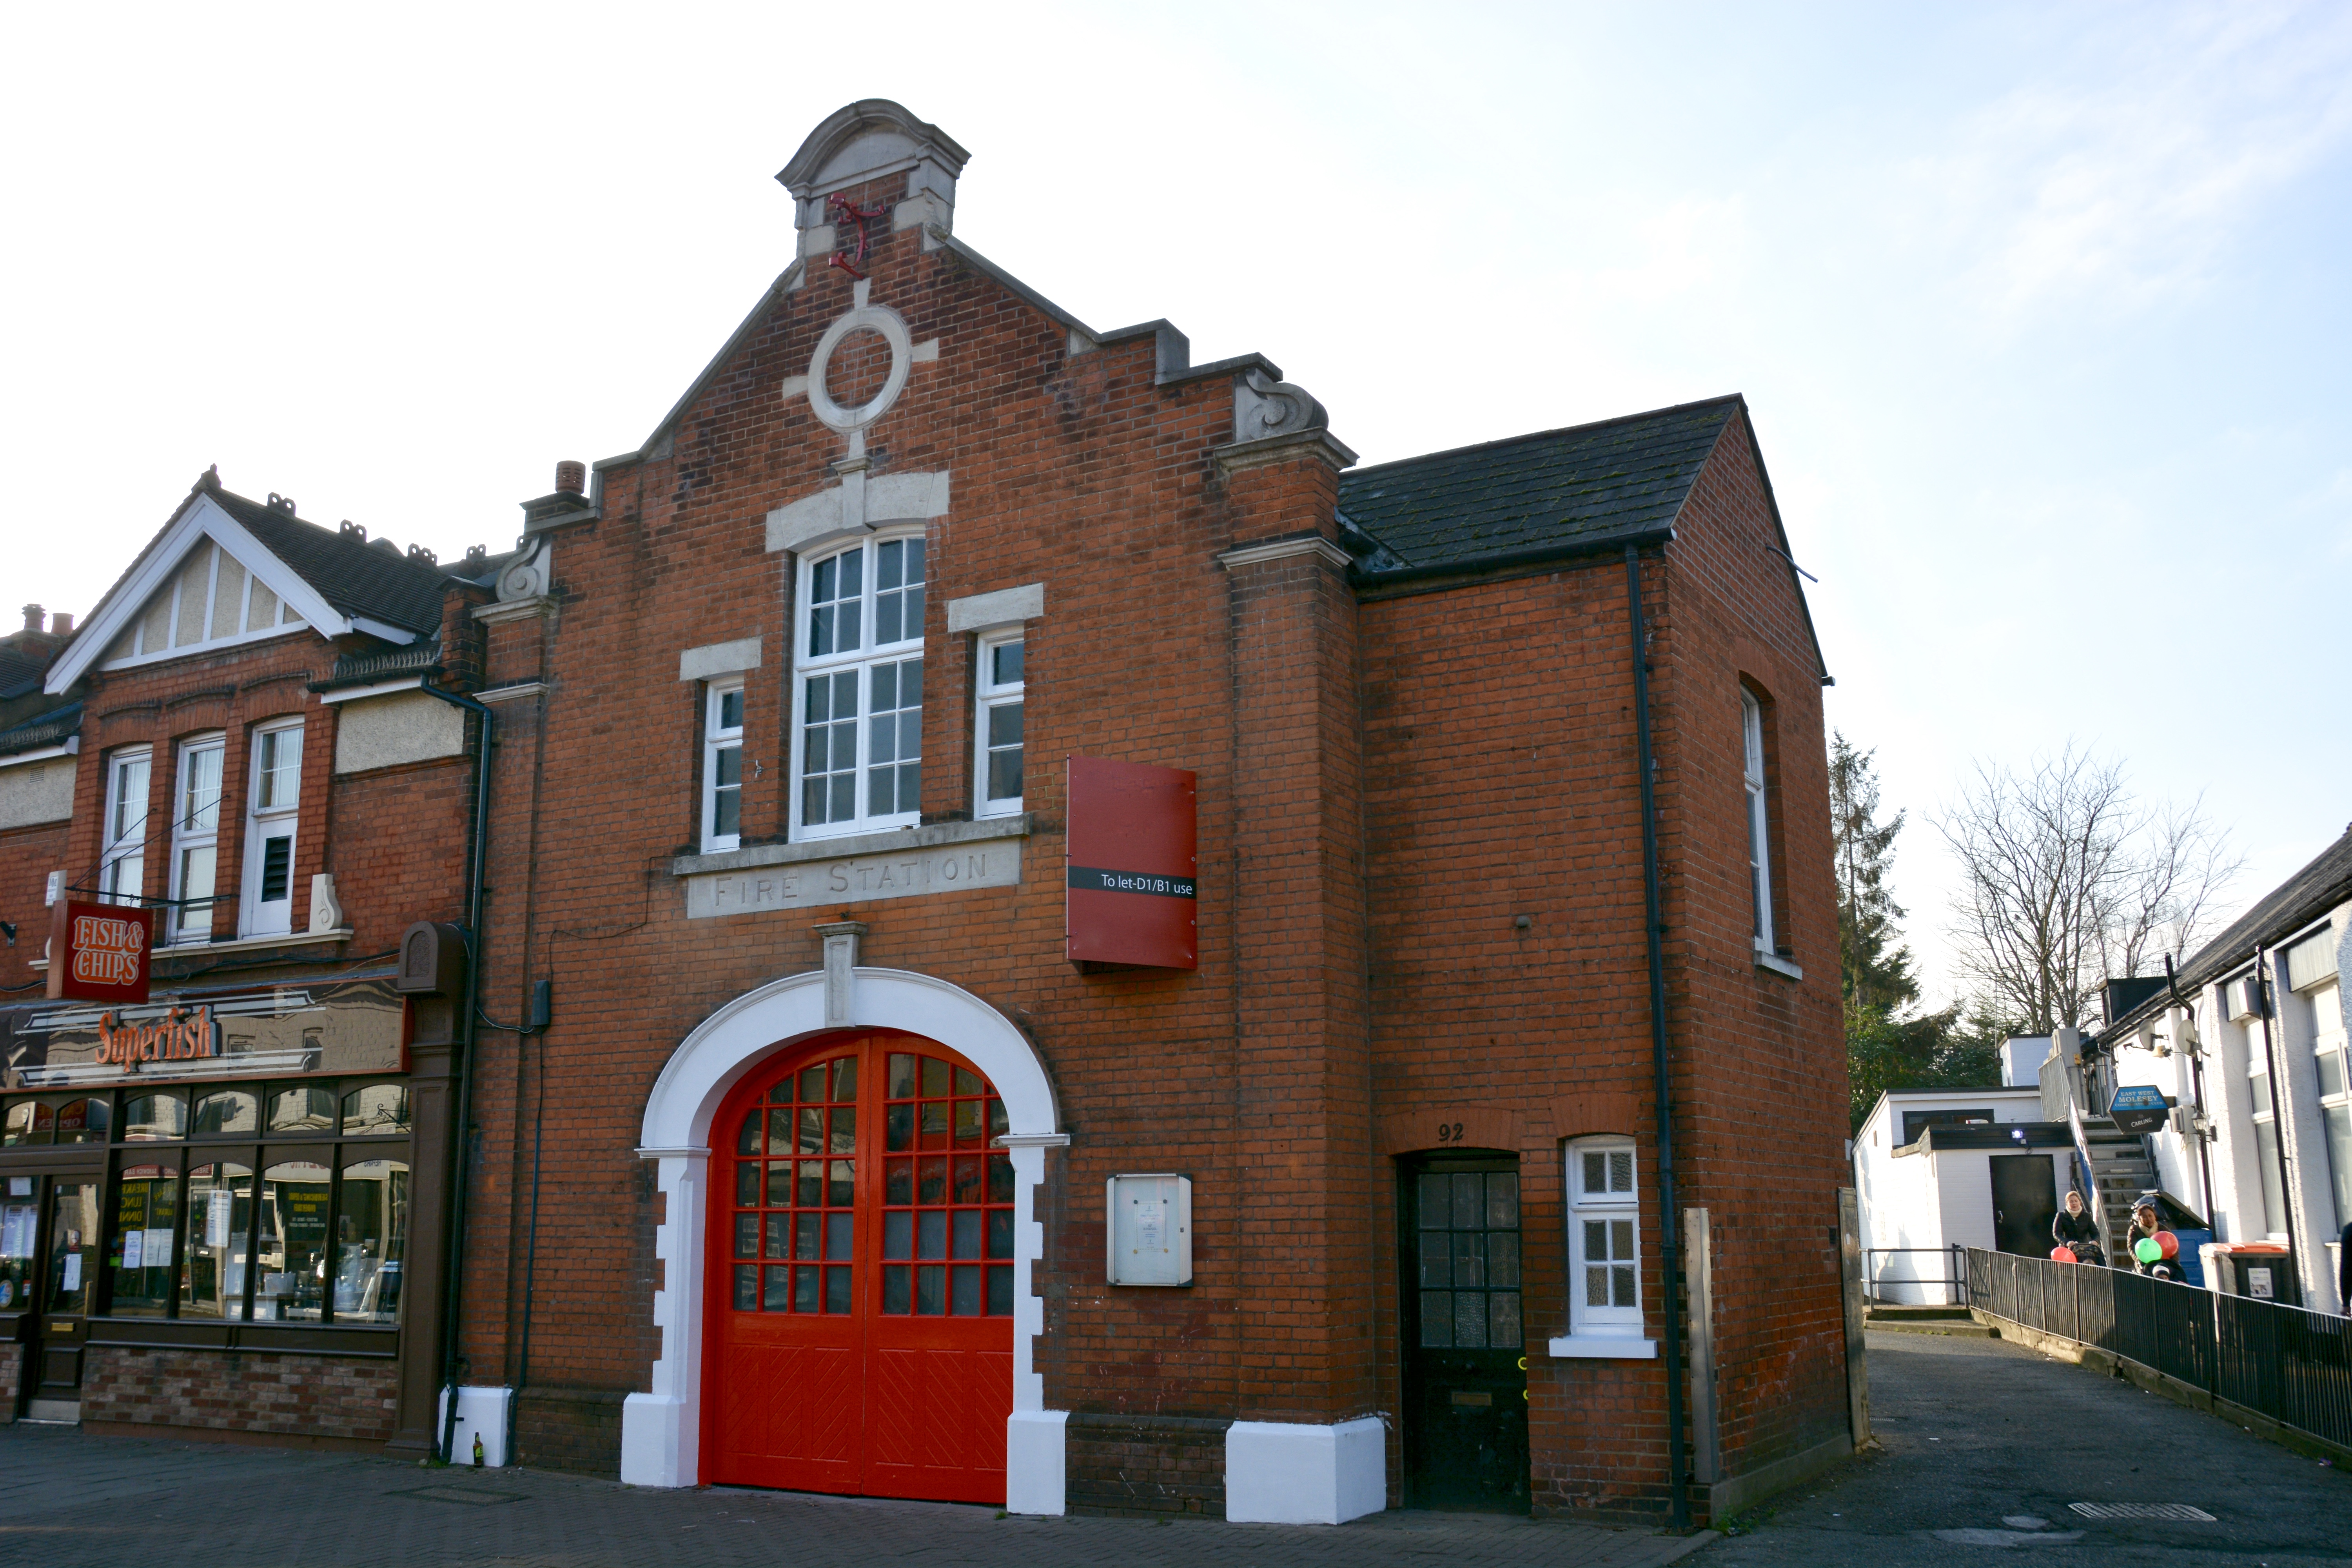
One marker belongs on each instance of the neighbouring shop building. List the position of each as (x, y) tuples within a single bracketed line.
[(221, 1206), (1096, 948)]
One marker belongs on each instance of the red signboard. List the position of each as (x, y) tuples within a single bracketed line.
[(98, 952), (1134, 863)]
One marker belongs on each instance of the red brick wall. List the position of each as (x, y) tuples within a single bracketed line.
[(12, 1374), (287, 1396), (27, 856)]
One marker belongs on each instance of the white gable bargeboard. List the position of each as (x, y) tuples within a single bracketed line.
[(208, 582)]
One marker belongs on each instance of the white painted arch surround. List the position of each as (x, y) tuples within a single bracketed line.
[(661, 1430)]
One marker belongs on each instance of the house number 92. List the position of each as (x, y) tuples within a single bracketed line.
[(1449, 1132)]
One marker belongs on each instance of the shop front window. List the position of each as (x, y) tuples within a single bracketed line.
[(292, 1251), (370, 1224), (219, 1225), (140, 1250)]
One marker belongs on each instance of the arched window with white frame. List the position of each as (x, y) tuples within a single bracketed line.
[(858, 702), (1604, 1241)]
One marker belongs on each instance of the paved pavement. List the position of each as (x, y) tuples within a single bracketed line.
[(1986, 1448), (67, 1499)]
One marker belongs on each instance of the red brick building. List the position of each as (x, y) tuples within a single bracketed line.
[(800, 767), (235, 1226)]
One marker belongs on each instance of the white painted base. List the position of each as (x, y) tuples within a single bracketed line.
[(657, 1449), (1034, 1458), (1283, 1472), (481, 1413)]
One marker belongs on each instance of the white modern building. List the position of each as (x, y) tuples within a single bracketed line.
[(2250, 1046), (1940, 1168)]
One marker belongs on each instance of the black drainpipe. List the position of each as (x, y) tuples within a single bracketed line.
[(1669, 1242), (477, 853)]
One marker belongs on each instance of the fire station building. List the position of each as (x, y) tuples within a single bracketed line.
[(1050, 937)]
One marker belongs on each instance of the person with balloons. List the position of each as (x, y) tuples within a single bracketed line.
[(2076, 1232), (2155, 1251)]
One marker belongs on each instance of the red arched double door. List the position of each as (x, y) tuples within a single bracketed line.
[(860, 1297)]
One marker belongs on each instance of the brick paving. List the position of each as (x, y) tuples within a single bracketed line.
[(68, 1498)]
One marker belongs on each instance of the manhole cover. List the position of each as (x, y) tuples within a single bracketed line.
[(473, 1495), (2142, 1511)]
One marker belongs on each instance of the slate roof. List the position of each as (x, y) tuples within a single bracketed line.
[(372, 580), (19, 672), (2293, 904), (49, 730), (1592, 485)]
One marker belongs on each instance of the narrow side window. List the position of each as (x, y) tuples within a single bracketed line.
[(722, 767), (122, 848), (1605, 1292), (999, 697), (196, 840), (271, 819), (1759, 842)]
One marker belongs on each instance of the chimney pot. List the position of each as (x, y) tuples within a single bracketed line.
[(61, 624), (32, 617), (571, 477)]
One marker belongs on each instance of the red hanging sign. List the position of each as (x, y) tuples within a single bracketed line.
[(1134, 865), (98, 952)]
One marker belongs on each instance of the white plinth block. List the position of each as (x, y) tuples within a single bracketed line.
[(1284, 1472)]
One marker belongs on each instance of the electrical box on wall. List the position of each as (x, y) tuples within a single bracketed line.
[(1149, 1233)]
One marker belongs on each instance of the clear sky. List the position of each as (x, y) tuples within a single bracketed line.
[(2041, 309)]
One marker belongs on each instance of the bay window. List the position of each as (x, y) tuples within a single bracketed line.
[(857, 727)]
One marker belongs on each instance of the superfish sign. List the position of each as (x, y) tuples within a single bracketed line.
[(181, 1034), (1134, 865), (98, 952)]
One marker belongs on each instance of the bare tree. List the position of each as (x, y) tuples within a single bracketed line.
[(2068, 880)]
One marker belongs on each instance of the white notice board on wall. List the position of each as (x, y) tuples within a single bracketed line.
[(1149, 1237)]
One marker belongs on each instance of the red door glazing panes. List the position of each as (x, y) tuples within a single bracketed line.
[(861, 1276)]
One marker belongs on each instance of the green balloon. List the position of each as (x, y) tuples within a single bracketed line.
[(2146, 1251)]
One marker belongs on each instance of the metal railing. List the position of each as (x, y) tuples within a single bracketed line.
[(2286, 1362), (1952, 1283)]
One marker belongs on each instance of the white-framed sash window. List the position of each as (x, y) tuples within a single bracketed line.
[(270, 831), (1759, 839), (722, 767), (999, 700), (857, 698), (196, 840), (1604, 1239), (2265, 1121), (122, 848)]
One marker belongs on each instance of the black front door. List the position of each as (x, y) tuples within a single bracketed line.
[(2025, 1202), (1465, 1359), (70, 1264)]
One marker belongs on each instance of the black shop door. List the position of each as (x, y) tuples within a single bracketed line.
[(2025, 1202), (1466, 1357)]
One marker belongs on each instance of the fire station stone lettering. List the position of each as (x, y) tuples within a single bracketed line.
[(935, 869)]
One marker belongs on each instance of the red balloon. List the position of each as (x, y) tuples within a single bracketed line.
[(2167, 1243), (2064, 1255)]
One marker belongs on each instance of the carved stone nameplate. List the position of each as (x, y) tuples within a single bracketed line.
[(857, 879)]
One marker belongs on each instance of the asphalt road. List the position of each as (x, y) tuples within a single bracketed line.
[(1986, 1448)]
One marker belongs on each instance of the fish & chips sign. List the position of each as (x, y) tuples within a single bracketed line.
[(98, 952)]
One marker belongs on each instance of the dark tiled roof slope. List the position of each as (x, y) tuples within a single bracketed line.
[(1589, 484), (19, 672), (48, 730), (357, 579)]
